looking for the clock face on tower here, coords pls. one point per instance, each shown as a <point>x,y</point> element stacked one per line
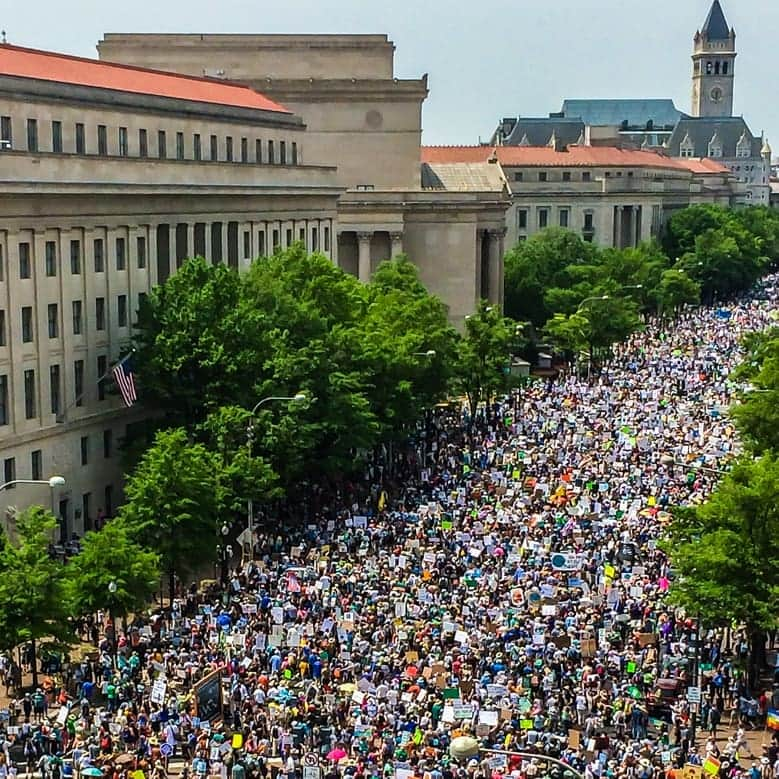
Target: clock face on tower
<point>716,95</point>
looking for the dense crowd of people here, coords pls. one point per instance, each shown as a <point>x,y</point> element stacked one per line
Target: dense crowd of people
<point>499,578</point>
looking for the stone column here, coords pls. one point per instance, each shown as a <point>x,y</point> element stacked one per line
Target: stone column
<point>618,212</point>
<point>364,262</point>
<point>207,235</point>
<point>636,225</point>
<point>190,240</point>
<point>501,270</point>
<point>477,274</point>
<point>397,244</point>
<point>495,266</point>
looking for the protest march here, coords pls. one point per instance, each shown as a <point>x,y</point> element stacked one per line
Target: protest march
<point>497,581</point>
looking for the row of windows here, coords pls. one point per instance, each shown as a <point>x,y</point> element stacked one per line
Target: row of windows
<point>219,148</point>
<point>543,175</point>
<point>543,218</point>
<point>52,261</point>
<point>77,319</point>
<point>56,407</point>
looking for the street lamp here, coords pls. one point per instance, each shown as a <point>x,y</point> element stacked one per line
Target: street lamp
<point>428,353</point>
<point>298,397</point>
<point>466,747</point>
<point>53,482</point>
<point>112,588</point>
<point>595,297</point>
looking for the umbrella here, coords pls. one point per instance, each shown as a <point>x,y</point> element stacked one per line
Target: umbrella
<point>91,771</point>
<point>336,754</point>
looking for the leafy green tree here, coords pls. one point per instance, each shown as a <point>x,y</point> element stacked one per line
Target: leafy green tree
<point>726,552</point>
<point>484,355</point>
<point>32,589</point>
<point>569,333</point>
<point>687,224</point>
<point>111,555</point>
<point>676,289</point>
<point>174,502</point>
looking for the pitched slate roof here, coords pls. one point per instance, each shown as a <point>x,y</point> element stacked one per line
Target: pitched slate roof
<point>539,131</point>
<point>715,28</point>
<point>478,176</point>
<point>701,130</point>
<point>65,69</point>
<point>599,113</point>
<point>574,156</point>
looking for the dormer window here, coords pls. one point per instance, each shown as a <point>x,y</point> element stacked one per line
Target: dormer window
<point>715,150</point>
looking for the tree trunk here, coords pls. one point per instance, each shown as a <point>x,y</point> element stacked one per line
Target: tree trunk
<point>171,585</point>
<point>34,664</point>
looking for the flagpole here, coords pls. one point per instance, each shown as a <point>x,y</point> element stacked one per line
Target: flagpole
<point>62,417</point>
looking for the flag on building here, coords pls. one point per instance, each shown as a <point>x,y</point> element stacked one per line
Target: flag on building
<point>125,380</point>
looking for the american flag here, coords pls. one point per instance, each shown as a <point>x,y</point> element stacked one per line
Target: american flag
<point>125,380</point>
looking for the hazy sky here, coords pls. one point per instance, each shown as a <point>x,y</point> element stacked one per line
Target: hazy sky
<point>485,60</point>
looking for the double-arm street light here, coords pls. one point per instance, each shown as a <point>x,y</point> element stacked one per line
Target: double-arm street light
<point>668,460</point>
<point>298,397</point>
<point>53,482</point>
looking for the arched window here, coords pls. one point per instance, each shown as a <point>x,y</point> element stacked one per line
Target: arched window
<point>724,68</point>
<point>709,68</point>
<point>716,68</point>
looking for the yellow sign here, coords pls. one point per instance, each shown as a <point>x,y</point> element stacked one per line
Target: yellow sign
<point>237,742</point>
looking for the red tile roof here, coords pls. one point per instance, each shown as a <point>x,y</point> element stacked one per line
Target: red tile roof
<point>66,69</point>
<point>573,156</point>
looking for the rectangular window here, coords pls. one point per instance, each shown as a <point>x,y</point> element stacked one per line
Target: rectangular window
<point>84,450</point>
<point>229,148</point>
<point>56,137</point>
<point>522,218</point>
<point>54,388</point>
<point>314,239</point>
<point>283,152</point>
<point>121,310</point>
<point>214,148</point>
<point>121,254</point>
<point>261,243</point>
<point>75,257</point>
<point>275,240</point>
<point>2,264</point>
<point>77,323</point>
<point>108,499</point>
<point>519,175</point>
<point>162,145</point>
<point>197,152</point>
<point>53,320</point>
<point>542,175</point>
<point>32,135</point>
<point>97,245</point>
<point>81,144</point>
<point>51,258</point>
<point>102,369</point>
<point>588,222</point>
<point>99,313</point>
<point>27,329</point>
<point>289,238</point>
<point>124,147</point>
<point>3,400</point>
<point>29,394</point>
<point>258,151</point>
<point>244,149</point>
<point>9,471</point>
<point>25,267</point>
<point>247,244</point>
<point>566,175</point>
<point>179,146</point>
<point>108,443</point>
<point>143,143</point>
<point>271,156</point>
<point>6,133</point>
<point>36,464</point>
<point>102,140</point>
<point>543,218</point>
<point>78,382</point>
<point>140,247</point>
<point>294,153</point>
<point>564,217</point>
<point>586,175</point>
<point>327,239</point>
<point>2,327</point>
<point>86,510</point>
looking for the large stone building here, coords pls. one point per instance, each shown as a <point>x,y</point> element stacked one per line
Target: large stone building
<point>110,177</point>
<point>368,123</point>
<point>611,196</point>
<point>709,130</point>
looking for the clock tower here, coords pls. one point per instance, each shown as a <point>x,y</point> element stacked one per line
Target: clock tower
<point>713,64</point>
